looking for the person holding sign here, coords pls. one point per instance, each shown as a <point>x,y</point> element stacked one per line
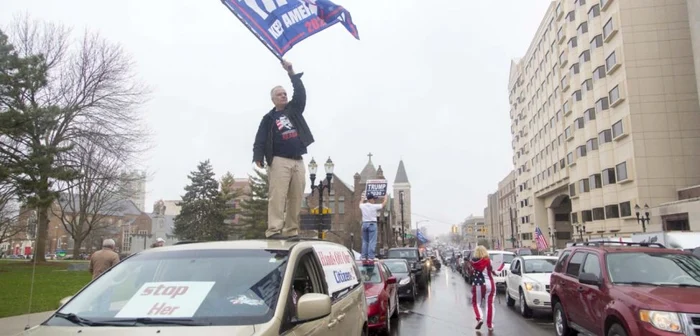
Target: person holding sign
<point>369,210</point>
<point>483,286</point>
<point>281,140</point>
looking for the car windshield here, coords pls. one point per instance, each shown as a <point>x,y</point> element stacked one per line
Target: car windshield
<point>507,258</point>
<point>207,287</point>
<point>653,268</point>
<point>370,273</point>
<point>397,266</point>
<point>403,254</point>
<point>539,265</point>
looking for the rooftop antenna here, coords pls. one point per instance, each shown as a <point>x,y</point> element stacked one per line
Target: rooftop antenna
<point>31,284</point>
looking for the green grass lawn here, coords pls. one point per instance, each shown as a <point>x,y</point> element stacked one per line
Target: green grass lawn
<point>52,282</point>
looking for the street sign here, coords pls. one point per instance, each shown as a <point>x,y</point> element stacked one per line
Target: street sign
<point>310,222</point>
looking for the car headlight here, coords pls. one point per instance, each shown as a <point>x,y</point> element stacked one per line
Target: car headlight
<point>661,320</point>
<point>532,286</point>
<point>404,281</point>
<point>428,263</point>
<point>372,300</point>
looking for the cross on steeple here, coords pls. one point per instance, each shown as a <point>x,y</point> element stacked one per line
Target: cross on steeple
<point>370,156</point>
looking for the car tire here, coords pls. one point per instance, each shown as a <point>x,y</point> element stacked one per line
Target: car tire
<point>414,292</point>
<point>617,330</point>
<point>525,311</point>
<point>510,302</point>
<point>396,309</point>
<point>561,325</point>
<point>387,323</point>
<point>365,331</point>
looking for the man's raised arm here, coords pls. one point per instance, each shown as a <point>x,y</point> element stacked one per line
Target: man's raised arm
<point>298,101</point>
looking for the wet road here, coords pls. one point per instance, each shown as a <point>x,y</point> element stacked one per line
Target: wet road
<point>444,309</point>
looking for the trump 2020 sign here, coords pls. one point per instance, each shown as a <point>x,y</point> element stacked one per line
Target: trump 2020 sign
<point>281,24</point>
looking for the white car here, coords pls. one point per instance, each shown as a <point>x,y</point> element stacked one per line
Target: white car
<point>498,257</point>
<point>528,283</point>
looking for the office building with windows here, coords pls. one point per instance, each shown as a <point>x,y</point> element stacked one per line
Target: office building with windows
<point>604,116</point>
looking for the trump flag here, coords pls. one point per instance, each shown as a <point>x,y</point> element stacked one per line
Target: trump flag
<point>281,24</point>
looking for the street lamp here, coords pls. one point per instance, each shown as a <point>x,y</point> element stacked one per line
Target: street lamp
<point>403,233</point>
<point>313,167</point>
<point>551,237</point>
<point>581,228</point>
<point>643,220</point>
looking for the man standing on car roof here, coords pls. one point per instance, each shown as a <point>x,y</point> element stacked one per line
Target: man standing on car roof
<point>281,140</point>
<point>369,225</point>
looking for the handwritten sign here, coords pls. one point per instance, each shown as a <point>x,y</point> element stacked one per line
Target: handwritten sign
<point>166,300</point>
<point>497,262</point>
<point>338,266</point>
<point>376,188</point>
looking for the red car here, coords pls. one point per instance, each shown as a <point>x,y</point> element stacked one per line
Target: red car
<point>382,295</point>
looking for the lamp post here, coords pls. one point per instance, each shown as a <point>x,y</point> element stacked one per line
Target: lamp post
<point>581,228</point>
<point>403,233</point>
<point>313,167</point>
<point>551,237</point>
<point>352,241</point>
<point>644,220</point>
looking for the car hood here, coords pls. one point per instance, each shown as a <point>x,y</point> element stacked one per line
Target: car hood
<point>400,276</point>
<point>678,299</point>
<point>372,289</point>
<point>542,278</point>
<point>139,331</point>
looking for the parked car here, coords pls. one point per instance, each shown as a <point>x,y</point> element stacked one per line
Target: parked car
<point>252,287</point>
<point>405,277</point>
<point>622,288</point>
<point>382,295</point>
<point>419,264</point>
<point>528,283</point>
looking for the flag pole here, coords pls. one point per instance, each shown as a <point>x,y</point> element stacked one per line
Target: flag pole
<point>252,31</point>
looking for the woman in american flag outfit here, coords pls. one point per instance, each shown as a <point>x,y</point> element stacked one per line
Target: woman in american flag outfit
<point>483,286</point>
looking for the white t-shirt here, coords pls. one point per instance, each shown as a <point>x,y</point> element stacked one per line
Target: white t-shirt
<point>369,211</point>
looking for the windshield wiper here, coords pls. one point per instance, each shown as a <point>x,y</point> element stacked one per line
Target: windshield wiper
<point>679,285</point>
<point>636,283</point>
<point>151,321</point>
<point>74,318</point>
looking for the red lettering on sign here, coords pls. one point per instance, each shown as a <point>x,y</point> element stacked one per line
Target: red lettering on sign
<point>162,309</point>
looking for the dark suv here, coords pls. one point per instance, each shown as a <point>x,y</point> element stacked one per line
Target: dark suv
<point>420,266</point>
<point>614,288</point>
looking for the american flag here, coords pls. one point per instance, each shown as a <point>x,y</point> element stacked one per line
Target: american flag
<point>498,245</point>
<point>541,240</point>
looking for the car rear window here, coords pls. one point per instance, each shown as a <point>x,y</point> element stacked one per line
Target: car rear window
<point>214,287</point>
<point>370,273</point>
<point>403,254</point>
<point>505,257</point>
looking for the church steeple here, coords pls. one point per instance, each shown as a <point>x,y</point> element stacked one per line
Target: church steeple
<point>369,172</point>
<point>401,176</point>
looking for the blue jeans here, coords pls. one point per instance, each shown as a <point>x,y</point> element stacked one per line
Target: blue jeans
<point>369,239</point>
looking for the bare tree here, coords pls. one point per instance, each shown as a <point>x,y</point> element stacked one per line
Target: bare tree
<point>84,90</point>
<point>97,194</point>
<point>10,224</point>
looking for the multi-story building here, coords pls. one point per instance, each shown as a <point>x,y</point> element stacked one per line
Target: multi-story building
<point>604,116</point>
<point>134,188</point>
<point>491,213</point>
<point>507,211</point>
<point>474,230</point>
<point>694,24</point>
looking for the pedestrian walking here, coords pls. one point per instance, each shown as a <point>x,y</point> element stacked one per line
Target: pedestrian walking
<point>104,259</point>
<point>281,140</point>
<point>369,210</point>
<point>483,286</point>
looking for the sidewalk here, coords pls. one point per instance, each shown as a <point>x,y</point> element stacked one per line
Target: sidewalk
<point>15,324</point>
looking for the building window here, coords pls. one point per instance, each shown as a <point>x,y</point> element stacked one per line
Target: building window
<point>612,211</point>
<point>602,104</point>
<point>597,42</point>
<point>625,209</point>
<point>567,132</point>
<point>573,42</point>
<point>608,176</point>
<point>560,33</point>
<point>594,12</point>
<point>571,16</point>
<point>598,214</point>
<point>592,144</point>
<point>587,85</point>
<point>614,94</point>
<point>587,215</point>
<point>621,170</point>
<point>611,61</point>
<point>570,158</point>
<point>574,69</point>
<point>595,182</point>
<point>589,114</point>
<point>562,57</point>
<point>604,137</point>
<point>578,122</point>
<point>583,186</point>
<point>581,151</point>
<point>562,164</point>
<point>574,218</point>
<point>617,129</point>
<point>584,57</point>
<point>599,73</point>
<point>565,107</point>
<point>582,28</point>
<point>577,95</point>
<point>341,205</point>
<point>572,190</point>
<point>608,28</point>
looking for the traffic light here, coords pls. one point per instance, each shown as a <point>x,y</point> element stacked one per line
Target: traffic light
<point>454,229</point>
<point>323,235</point>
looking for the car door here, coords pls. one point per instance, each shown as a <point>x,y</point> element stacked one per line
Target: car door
<point>393,298</point>
<point>592,299</point>
<point>569,286</point>
<point>350,308</point>
<point>514,278</point>
<point>307,278</point>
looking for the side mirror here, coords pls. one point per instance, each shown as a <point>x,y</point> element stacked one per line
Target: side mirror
<point>414,271</point>
<point>589,279</point>
<point>313,306</point>
<point>391,280</point>
<point>517,272</point>
<point>64,301</point>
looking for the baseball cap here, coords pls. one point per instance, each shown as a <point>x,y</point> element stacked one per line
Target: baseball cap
<point>370,196</point>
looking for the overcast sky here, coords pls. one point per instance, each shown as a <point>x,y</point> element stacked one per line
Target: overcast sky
<point>426,82</point>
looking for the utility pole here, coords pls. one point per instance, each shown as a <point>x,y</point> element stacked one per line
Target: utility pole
<point>403,233</point>
<point>512,227</point>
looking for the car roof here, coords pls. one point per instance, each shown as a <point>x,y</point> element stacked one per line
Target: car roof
<point>499,251</point>
<point>527,257</point>
<point>259,244</point>
<point>396,260</point>
<point>615,247</point>
<point>402,248</point>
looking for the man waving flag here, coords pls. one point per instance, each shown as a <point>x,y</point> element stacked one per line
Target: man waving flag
<point>281,24</point>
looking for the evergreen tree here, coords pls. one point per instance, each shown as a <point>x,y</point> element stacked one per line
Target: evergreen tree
<point>203,209</point>
<point>229,193</point>
<point>254,209</point>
